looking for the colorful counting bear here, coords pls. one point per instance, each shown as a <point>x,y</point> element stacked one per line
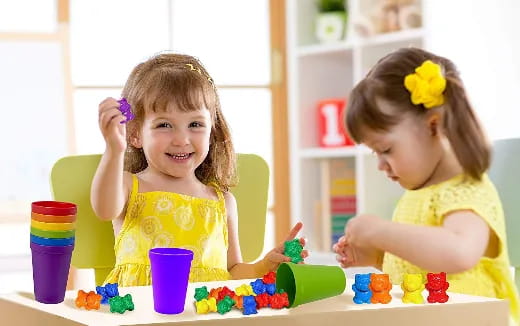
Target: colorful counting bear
<point>437,286</point>
<point>258,286</point>
<point>361,288</point>
<point>225,305</point>
<point>380,286</point>
<point>206,305</point>
<point>108,291</point>
<point>121,304</point>
<point>126,110</point>
<point>412,288</point>
<point>249,305</point>
<point>201,293</point>
<point>89,300</point>
<point>244,289</point>
<point>293,249</point>
<point>279,300</point>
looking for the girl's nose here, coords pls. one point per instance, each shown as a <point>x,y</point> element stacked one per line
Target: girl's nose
<point>382,164</point>
<point>180,138</point>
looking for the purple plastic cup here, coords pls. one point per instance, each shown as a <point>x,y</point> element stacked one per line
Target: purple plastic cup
<point>50,271</point>
<point>170,274</point>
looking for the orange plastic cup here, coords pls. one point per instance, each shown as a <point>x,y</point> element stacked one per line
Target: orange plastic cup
<point>53,218</point>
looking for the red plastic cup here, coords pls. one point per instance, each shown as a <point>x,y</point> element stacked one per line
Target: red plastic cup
<point>50,272</point>
<point>170,273</point>
<point>56,208</point>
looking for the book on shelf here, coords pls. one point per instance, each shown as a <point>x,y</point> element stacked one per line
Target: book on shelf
<point>338,200</point>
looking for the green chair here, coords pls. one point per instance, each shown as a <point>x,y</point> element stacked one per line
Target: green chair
<point>505,173</point>
<point>71,178</point>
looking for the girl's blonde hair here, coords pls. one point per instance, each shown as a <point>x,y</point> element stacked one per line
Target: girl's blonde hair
<point>385,81</point>
<point>180,80</point>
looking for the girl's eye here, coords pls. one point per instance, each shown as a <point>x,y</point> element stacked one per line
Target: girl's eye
<point>195,125</point>
<point>164,125</point>
<point>386,151</point>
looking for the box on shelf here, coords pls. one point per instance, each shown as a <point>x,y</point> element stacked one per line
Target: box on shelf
<point>331,131</point>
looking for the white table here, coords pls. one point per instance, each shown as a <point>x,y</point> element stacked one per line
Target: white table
<point>22,309</point>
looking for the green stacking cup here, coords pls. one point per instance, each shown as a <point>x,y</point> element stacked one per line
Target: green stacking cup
<point>52,234</point>
<point>306,283</point>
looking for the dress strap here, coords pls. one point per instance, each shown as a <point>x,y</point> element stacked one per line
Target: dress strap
<point>135,186</point>
<point>220,195</point>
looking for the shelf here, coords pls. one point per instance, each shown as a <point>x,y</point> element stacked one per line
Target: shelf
<point>349,45</point>
<point>320,152</point>
<point>394,37</point>
<point>326,48</point>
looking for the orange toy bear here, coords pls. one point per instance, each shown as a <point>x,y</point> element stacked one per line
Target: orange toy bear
<point>89,300</point>
<point>380,286</point>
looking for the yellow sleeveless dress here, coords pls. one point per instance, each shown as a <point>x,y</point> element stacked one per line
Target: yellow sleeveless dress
<point>165,219</point>
<point>491,277</point>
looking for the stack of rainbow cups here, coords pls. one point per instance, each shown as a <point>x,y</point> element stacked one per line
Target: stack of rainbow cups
<point>52,243</point>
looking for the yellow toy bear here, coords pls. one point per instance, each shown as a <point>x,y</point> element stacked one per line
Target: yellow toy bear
<point>412,286</point>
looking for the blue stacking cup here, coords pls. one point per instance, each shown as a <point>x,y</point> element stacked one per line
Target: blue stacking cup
<point>52,241</point>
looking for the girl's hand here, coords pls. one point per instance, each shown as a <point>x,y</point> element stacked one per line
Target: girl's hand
<point>275,257</point>
<point>349,256</point>
<point>361,230</point>
<point>110,118</point>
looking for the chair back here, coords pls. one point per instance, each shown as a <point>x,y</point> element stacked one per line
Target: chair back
<point>71,179</point>
<point>505,174</point>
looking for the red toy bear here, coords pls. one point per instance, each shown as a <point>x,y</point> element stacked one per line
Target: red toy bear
<point>437,287</point>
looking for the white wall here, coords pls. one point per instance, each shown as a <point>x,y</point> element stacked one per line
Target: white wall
<point>482,38</point>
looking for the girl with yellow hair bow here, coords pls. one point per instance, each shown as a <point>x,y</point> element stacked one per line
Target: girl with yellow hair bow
<point>412,110</point>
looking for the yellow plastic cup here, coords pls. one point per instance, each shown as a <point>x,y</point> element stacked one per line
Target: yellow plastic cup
<point>52,226</point>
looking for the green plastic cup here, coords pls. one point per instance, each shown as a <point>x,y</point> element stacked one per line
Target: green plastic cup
<point>52,234</point>
<point>306,283</point>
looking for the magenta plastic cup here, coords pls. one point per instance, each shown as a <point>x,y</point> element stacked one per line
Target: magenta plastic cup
<point>170,274</point>
<point>50,271</point>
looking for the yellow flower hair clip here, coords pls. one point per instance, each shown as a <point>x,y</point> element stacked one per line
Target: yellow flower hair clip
<point>192,68</point>
<point>426,85</point>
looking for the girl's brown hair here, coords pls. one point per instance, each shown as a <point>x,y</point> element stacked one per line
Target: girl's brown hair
<point>180,80</point>
<point>385,82</point>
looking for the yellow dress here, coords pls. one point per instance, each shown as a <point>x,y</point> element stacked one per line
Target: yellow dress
<point>491,277</point>
<point>165,219</point>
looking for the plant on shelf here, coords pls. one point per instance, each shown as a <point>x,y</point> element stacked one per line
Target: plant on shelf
<point>331,20</point>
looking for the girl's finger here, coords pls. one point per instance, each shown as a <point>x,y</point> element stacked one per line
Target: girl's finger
<point>303,241</point>
<point>294,231</point>
<point>276,257</point>
<point>305,254</point>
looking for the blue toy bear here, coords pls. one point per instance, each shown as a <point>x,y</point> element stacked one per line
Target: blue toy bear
<point>361,289</point>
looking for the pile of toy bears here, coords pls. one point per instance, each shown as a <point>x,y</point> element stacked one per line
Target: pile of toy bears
<point>375,288</point>
<point>108,294</point>
<point>247,297</point>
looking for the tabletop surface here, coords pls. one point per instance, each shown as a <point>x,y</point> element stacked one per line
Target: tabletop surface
<point>144,313</point>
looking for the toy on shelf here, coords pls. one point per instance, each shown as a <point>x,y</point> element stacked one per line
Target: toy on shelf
<point>437,286</point>
<point>380,286</point>
<point>412,287</point>
<point>331,131</point>
<point>361,288</point>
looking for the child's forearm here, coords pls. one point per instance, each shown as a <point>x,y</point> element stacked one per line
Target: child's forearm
<point>434,249</point>
<point>245,270</point>
<point>107,194</point>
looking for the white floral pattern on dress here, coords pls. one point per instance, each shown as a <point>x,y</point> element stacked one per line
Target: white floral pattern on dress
<point>162,240</point>
<point>163,206</point>
<point>183,217</point>
<point>150,226</point>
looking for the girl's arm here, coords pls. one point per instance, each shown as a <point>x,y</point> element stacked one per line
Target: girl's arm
<point>454,247</point>
<point>236,267</point>
<point>110,186</point>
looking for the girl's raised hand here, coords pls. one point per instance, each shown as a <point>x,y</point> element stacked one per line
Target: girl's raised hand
<point>275,257</point>
<point>110,118</point>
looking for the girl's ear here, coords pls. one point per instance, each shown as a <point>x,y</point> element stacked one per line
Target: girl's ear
<point>135,140</point>
<point>434,122</point>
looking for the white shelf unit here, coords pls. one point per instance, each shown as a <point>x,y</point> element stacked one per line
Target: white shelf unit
<point>319,71</point>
